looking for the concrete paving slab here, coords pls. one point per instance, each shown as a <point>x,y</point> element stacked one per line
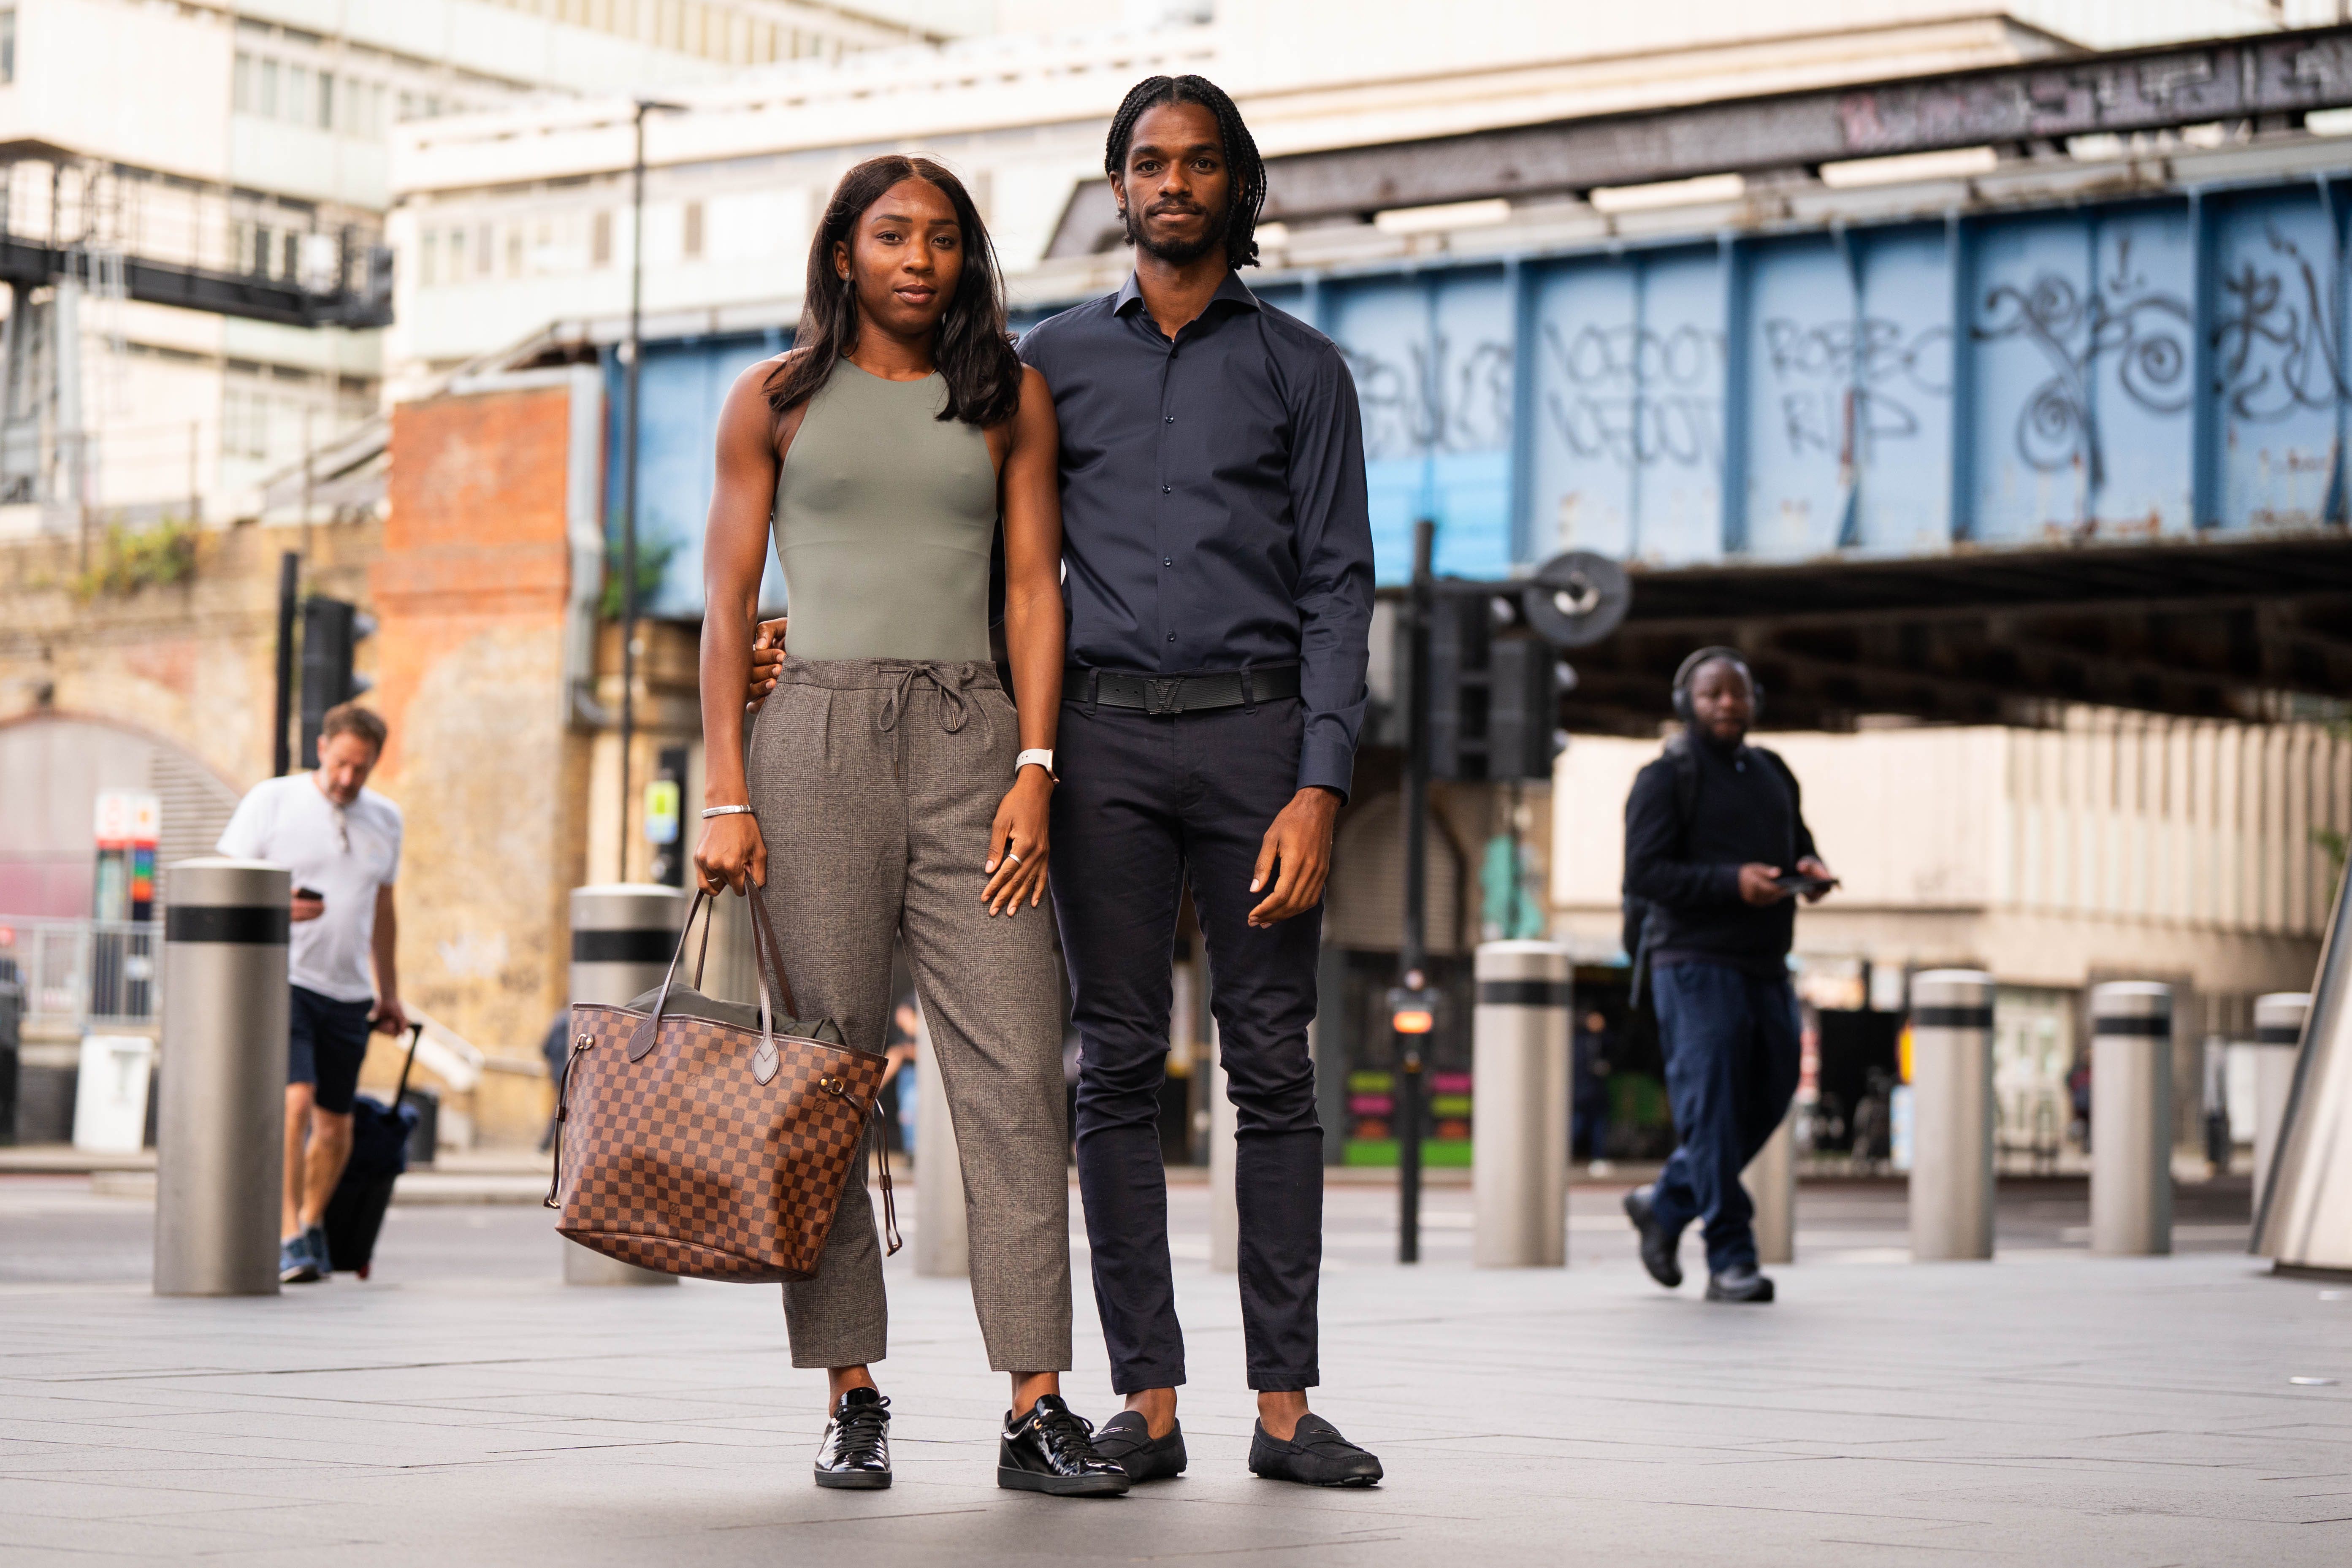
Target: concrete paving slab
<point>2048,1407</point>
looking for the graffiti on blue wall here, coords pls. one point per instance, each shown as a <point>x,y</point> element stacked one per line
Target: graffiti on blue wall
<point>2162,367</point>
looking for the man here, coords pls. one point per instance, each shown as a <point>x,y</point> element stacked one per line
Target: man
<point>1220,582</point>
<point>1716,848</point>
<point>341,841</point>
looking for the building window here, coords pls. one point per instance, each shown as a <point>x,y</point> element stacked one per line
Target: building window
<point>7,44</point>
<point>428,258</point>
<point>326,102</point>
<point>297,94</point>
<point>269,88</point>
<point>244,424</point>
<point>514,253</point>
<point>600,240</point>
<point>692,245</point>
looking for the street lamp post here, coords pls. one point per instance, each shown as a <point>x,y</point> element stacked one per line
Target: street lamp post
<point>645,106</point>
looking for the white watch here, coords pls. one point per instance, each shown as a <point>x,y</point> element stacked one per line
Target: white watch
<point>1037,754</point>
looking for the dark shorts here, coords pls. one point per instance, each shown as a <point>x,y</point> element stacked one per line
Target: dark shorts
<point>328,1041</point>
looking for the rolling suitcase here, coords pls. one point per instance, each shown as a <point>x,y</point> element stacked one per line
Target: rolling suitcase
<point>380,1137</point>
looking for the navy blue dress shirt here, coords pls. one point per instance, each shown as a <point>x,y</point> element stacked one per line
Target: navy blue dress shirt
<point>1213,502</point>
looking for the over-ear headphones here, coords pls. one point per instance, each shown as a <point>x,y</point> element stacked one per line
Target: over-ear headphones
<point>1700,660</point>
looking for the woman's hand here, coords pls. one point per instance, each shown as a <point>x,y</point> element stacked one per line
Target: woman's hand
<point>729,852</point>
<point>1016,845</point>
<point>767,659</point>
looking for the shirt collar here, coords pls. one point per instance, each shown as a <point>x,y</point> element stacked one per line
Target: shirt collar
<point>1130,294</point>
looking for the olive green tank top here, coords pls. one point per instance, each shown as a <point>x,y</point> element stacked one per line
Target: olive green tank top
<point>883,519</point>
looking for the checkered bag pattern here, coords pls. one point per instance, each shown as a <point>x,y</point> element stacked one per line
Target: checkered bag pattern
<point>684,1162</point>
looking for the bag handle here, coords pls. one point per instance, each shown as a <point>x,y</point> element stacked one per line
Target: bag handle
<point>415,1033</point>
<point>766,1062</point>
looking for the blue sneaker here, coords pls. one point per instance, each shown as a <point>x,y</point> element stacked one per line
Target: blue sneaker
<point>321,1255</point>
<point>294,1264</point>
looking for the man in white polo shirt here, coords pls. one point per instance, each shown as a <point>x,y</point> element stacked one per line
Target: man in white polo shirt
<point>341,841</point>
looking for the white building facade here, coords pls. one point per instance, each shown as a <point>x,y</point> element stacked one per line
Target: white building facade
<point>253,139</point>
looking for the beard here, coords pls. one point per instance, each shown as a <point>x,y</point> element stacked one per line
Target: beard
<point>1179,253</point>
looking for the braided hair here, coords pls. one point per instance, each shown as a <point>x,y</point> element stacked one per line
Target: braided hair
<point>1246,168</point>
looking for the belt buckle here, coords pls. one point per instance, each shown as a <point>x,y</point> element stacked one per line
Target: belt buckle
<point>1163,695</point>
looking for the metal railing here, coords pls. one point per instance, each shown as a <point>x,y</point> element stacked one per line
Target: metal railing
<point>79,973</point>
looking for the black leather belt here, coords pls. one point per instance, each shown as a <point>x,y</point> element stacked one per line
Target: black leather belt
<point>1162,694</point>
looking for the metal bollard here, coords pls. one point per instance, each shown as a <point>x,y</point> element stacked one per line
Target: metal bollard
<point>1952,1115</point>
<point>942,1230</point>
<point>622,936</point>
<point>220,1130</point>
<point>2131,1118</point>
<point>1771,1181</point>
<point>2278,1035</point>
<point>1519,1066</point>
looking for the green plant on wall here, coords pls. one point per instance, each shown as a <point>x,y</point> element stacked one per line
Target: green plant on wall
<point>127,560</point>
<point>654,556</point>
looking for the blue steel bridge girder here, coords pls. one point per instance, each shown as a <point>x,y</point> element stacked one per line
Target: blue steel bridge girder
<point>2137,390</point>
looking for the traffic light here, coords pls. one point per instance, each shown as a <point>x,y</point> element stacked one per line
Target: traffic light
<point>332,632</point>
<point>1494,688</point>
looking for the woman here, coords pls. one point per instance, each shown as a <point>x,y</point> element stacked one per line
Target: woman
<point>885,799</point>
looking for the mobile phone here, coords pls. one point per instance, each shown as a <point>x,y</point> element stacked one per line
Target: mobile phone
<point>310,893</point>
<point>1797,882</point>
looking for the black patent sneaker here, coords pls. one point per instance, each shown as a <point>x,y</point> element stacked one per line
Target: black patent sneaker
<point>856,1453</point>
<point>1316,1455</point>
<point>1126,1440</point>
<point>1740,1282</point>
<point>1658,1247</point>
<point>1051,1451</point>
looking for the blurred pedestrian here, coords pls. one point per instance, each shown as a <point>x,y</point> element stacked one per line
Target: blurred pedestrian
<point>898,1078</point>
<point>1589,1093</point>
<point>341,842</point>
<point>1716,848</point>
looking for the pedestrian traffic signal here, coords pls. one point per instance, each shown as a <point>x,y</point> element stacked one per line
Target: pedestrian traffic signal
<point>332,630</point>
<point>1493,688</point>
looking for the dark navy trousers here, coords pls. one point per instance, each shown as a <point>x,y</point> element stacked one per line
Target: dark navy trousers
<point>1731,1048</point>
<point>1147,806</point>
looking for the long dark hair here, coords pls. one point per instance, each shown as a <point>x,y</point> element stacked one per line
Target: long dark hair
<point>1243,165</point>
<point>973,351</point>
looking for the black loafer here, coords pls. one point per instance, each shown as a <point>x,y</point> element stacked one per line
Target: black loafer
<point>1316,1455</point>
<point>1126,1440</point>
<point>1658,1248</point>
<point>1740,1283</point>
<point>856,1453</point>
<point>1051,1451</point>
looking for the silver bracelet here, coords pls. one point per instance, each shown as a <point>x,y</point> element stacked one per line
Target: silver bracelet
<point>726,811</point>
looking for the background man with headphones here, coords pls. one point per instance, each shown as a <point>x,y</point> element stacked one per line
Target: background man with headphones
<point>1716,852</point>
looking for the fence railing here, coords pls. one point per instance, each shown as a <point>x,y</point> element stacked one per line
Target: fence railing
<point>84,972</point>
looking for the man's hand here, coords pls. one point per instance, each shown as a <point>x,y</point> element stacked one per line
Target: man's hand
<point>391,1017</point>
<point>1296,856</point>
<point>767,659</point>
<point>307,908</point>
<point>1757,885</point>
<point>1812,867</point>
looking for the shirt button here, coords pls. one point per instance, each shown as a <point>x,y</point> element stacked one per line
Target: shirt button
<point>1172,419</point>
<point>1167,561</point>
<point>1167,489</point>
<point>1172,637</point>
